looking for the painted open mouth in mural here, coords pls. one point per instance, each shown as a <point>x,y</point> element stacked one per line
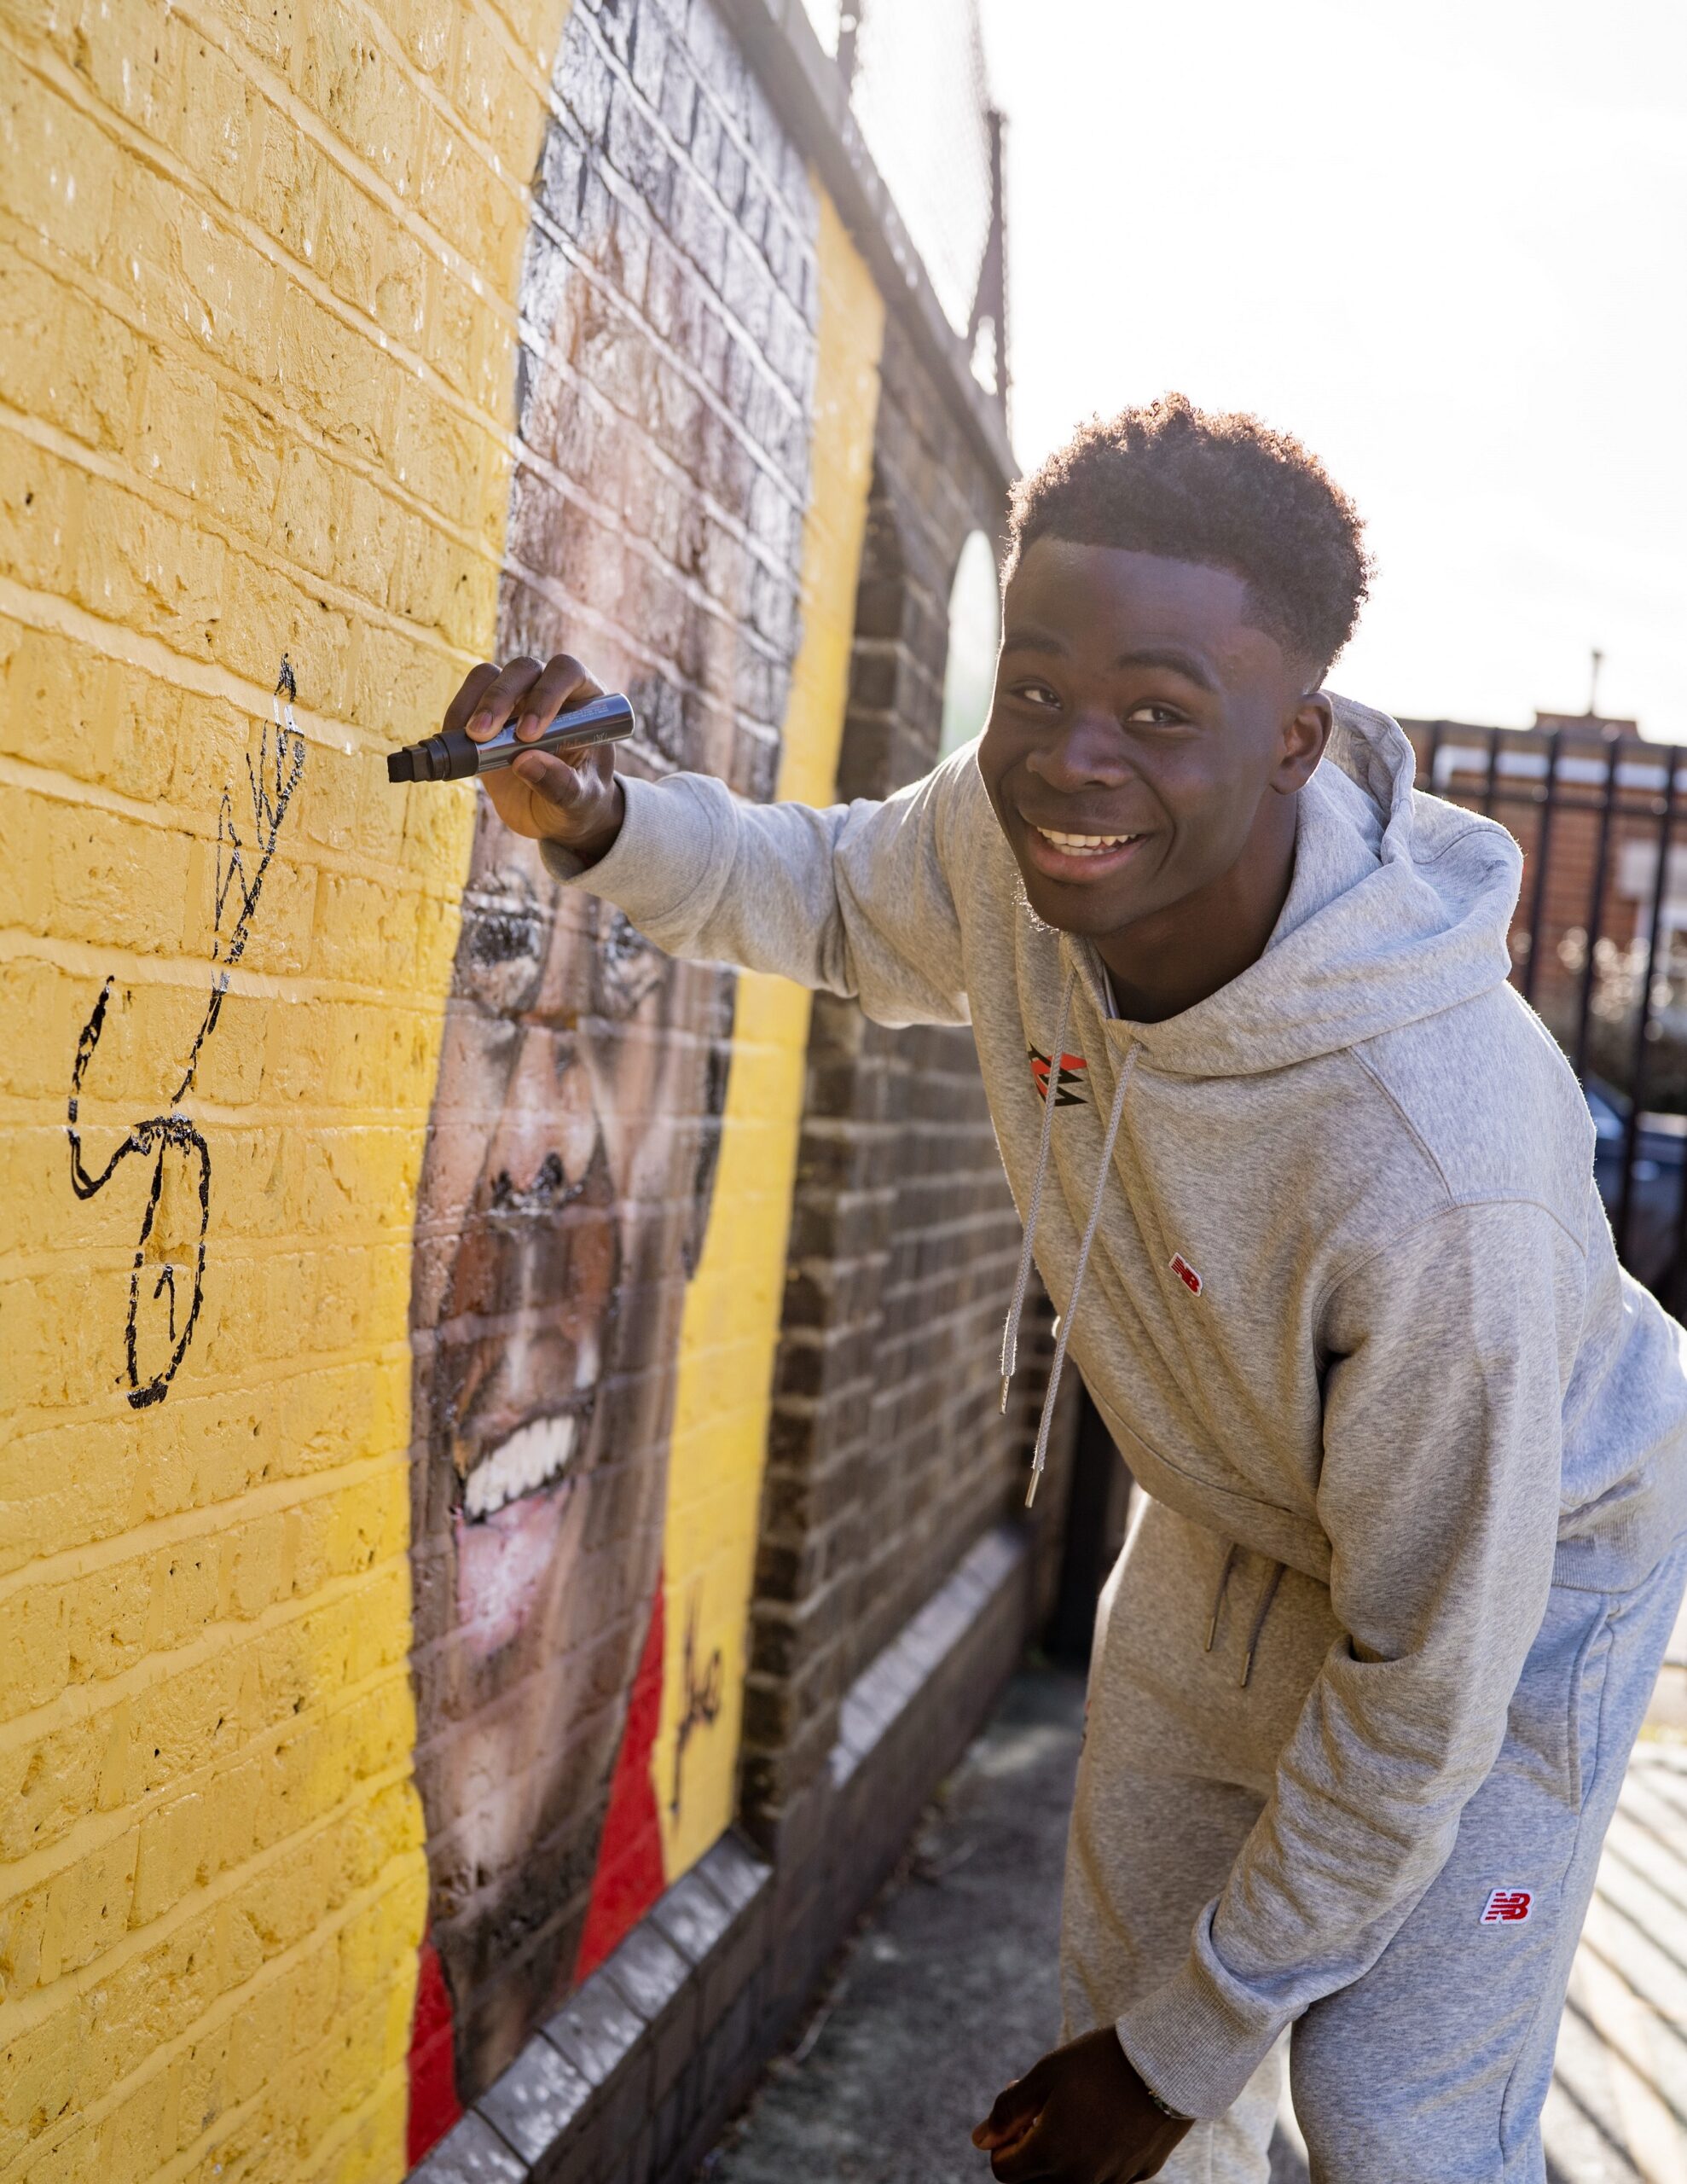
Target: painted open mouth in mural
<point>533,1455</point>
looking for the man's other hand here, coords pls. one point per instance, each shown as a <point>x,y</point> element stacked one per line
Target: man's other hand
<point>575,801</point>
<point>1081,2115</point>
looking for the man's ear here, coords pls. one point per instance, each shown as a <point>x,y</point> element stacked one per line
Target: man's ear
<point>1305,734</point>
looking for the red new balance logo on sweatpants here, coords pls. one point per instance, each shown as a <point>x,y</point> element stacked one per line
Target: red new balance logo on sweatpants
<point>1507,1907</point>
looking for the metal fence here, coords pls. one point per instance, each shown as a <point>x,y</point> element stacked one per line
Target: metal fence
<point>1599,942</point>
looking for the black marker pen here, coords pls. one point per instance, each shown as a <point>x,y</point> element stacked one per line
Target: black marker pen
<point>455,757</point>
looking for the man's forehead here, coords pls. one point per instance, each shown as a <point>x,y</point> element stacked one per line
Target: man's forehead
<point>1111,607</point>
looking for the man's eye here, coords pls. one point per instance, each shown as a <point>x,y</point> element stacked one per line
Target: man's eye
<point>1153,716</point>
<point>1036,693</point>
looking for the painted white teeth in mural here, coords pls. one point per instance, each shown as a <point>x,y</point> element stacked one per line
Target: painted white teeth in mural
<point>537,1452</point>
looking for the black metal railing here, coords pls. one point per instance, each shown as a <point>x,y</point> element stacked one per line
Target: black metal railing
<point>1576,795</point>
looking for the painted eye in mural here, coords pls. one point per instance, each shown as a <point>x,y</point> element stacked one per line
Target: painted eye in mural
<point>504,936</point>
<point>628,968</point>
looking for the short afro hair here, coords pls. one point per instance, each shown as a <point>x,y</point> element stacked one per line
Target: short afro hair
<point>1214,487</point>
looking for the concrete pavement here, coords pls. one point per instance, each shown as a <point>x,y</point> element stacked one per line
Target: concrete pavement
<point>950,1988</point>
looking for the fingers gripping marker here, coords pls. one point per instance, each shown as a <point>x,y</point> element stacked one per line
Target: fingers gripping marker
<point>455,756</point>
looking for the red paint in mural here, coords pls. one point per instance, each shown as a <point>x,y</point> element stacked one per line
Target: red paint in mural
<point>434,2105</point>
<point>629,1876</point>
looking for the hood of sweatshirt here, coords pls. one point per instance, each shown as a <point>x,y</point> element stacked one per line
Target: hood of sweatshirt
<point>1400,906</point>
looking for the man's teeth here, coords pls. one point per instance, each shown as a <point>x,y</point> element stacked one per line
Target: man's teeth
<point>1083,845</point>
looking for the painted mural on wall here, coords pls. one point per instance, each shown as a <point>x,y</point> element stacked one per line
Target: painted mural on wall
<point>378,1531</point>
<point>657,528</point>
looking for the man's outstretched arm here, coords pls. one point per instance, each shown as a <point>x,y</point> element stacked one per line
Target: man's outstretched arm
<point>854,899</point>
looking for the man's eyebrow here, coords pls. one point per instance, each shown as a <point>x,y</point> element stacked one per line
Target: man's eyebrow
<point>1034,640</point>
<point>1188,664</point>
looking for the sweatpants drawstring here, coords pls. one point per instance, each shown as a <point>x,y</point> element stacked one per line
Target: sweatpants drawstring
<point>1217,1597</point>
<point>1264,1609</point>
<point>1267,1595</point>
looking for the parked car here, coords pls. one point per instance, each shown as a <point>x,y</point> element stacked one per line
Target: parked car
<point>1654,1198</point>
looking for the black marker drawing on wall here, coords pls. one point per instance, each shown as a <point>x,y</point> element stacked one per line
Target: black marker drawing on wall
<point>241,865</point>
<point>702,1698</point>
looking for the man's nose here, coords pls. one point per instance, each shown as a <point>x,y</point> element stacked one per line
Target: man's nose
<point>1089,752</point>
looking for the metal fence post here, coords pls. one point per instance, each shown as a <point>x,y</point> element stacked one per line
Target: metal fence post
<point>1597,908</point>
<point>1638,1074</point>
<point>1542,846</point>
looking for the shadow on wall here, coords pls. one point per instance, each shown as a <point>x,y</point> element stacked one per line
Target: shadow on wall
<point>655,527</point>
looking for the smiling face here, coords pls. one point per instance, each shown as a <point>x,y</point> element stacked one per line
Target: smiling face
<point>1143,755</point>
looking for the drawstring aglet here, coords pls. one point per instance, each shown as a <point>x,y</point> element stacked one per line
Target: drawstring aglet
<point>1218,1596</point>
<point>1006,1385</point>
<point>1268,1593</point>
<point>1031,1491</point>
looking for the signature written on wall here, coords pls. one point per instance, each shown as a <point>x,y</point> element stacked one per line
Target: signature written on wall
<point>702,1698</point>
<point>166,1286</point>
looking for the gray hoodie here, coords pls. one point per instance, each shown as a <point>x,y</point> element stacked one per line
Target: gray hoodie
<point>1349,1300</point>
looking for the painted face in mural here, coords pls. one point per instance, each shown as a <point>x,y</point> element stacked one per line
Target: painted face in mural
<point>563,1198</point>
<point>562,1203</point>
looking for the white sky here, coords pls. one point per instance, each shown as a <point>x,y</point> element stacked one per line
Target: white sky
<point>1445,241</point>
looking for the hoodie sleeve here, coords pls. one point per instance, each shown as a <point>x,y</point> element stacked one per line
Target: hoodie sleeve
<point>853,900</point>
<point>1450,1355</point>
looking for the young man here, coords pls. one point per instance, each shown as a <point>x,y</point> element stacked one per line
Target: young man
<point>1322,1230</point>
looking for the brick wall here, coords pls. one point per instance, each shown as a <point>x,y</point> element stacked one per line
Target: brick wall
<point>258,273</point>
<point>602,1206</point>
<point>887,1457</point>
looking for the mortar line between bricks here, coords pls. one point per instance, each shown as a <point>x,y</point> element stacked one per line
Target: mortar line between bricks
<point>559,596</point>
<point>96,1831</point>
<point>54,785</point>
<point>138,649</point>
<point>290,107</point>
<point>623,190</point>
<point>324,2157</point>
<point>737,527</point>
<point>393,2084</point>
<point>264,1379</point>
<point>94,960</point>
<point>154,1534</point>
<point>619,71</point>
<point>534,65</point>
<point>115,302</point>
<point>192,514</point>
<point>379,31</point>
<point>82,1702</point>
<point>232,1248</point>
<point>148,153</point>
<point>226,2006</point>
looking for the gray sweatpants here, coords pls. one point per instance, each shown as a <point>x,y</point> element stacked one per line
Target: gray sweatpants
<point>1433,2068</point>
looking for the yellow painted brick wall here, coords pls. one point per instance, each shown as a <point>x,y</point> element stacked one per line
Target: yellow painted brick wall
<point>256,339</point>
<point>730,1330</point>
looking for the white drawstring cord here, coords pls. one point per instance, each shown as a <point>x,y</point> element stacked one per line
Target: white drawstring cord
<point>1217,1597</point>
<point>1267,1595</point>
<point>1009,1333</point>
<point>1045,1423</point>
